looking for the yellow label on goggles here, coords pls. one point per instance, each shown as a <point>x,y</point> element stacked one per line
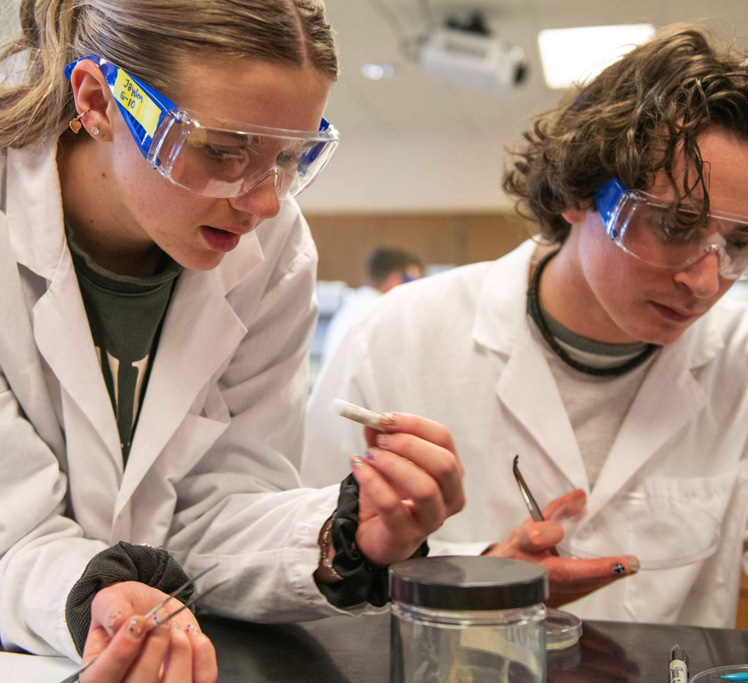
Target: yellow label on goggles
<point>132,97</point>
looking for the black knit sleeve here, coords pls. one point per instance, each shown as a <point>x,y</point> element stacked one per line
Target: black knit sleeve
<point>122,562</point>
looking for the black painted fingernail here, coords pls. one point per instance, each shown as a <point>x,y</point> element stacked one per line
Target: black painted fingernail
<point>619,569</point>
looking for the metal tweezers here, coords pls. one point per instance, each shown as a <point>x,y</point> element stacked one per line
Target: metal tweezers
<point>535,512</point>
<point>75,676</point>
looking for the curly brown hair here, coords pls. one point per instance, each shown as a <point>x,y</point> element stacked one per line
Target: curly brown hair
<point>641,115</point>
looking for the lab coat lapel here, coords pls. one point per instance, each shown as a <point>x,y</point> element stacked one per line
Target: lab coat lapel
<point>526,387</point>
<point>528,390</point>
<point>64,340</point>
<point>200,333</point>
<point>37,237</point>
<point>669,398</point>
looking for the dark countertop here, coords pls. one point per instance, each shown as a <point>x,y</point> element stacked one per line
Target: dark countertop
<point>356,650</point>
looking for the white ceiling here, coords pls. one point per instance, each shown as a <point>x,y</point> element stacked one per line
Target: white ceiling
<point>410,143</point>
<point>411,102</point>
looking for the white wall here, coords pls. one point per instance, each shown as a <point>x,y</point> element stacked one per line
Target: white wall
<point>411,173</point>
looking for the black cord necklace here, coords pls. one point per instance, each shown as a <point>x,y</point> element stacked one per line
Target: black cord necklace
<point>533,300</point>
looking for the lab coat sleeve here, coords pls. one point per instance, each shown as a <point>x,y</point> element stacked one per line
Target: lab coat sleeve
<point>329,440</point>
<point>242,505</point>
<point>42,552</point>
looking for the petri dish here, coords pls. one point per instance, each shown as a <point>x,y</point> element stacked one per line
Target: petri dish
<point>562,630</point>
<point>712,674</point>
<point>662,532</point>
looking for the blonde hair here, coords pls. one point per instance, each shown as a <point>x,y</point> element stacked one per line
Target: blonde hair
<point>147,38</point>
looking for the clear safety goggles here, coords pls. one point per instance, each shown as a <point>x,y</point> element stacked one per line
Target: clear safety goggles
<point>638,223</point>
<point>220,160</point>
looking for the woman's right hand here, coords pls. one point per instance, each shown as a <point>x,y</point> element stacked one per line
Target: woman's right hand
<point>570,579</point>
<point>127,650</point>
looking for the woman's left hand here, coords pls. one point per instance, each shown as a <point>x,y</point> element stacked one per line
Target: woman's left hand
<point>410,481</point>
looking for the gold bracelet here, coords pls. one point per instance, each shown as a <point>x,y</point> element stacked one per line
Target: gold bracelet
<point>324,547</point>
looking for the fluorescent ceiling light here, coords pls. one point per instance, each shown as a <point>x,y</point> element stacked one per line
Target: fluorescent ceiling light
<point>376,72</point>
<point>576,55</point>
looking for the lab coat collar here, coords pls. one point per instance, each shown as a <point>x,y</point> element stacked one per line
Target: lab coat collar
<point>502,306</point>
<point>501,325</point>
<point>34,209</point>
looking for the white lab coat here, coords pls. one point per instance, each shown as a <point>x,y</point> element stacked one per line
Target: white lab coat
<point>457,348</point>
<point>211,473</point>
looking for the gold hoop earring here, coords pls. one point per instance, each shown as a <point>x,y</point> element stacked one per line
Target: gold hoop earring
<point>75,124</point>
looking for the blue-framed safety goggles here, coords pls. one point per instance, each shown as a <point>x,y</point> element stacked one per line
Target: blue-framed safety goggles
<point>636,221</point>
<point>221,160</point>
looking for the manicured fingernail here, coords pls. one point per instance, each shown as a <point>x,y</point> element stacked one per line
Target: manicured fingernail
<point>357,461</point>
<point>369,455</point>
<point>112,620</point>
<point>633,563</point>
<point>619,568</point>
<point>174,626</point>
<point>383,440</point>
<point>187,628</point>
<point>135,627</point>
<point>389,420</point>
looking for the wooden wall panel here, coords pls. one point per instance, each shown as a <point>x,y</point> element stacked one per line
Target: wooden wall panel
<point>742,618</point>
<point>345,240</point>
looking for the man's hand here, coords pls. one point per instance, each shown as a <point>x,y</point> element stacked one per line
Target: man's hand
<point>570,579</point>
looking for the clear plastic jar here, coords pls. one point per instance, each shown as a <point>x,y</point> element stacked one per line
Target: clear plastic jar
<point>468,620</point>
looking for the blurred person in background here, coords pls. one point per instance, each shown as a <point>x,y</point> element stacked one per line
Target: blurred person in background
<point>385,269</point>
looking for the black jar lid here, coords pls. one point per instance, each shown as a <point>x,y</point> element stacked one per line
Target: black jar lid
<point>468,583</point>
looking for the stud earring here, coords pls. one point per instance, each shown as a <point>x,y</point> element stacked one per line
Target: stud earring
<point>75,124</point>
<point>95,130</point>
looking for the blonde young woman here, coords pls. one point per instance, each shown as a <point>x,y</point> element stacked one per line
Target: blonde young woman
<point>156,293</point>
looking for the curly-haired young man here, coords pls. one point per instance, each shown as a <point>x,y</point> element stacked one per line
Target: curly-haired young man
<point>600,354</point>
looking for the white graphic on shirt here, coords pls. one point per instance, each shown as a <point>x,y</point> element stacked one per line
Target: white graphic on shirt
<point>114,372</point>
<point>141,366</point>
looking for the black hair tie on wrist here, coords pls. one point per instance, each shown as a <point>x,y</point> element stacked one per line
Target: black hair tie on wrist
<point>362,582</point>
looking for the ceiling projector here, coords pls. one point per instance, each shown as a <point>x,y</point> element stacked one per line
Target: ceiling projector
<point>474,60</point>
